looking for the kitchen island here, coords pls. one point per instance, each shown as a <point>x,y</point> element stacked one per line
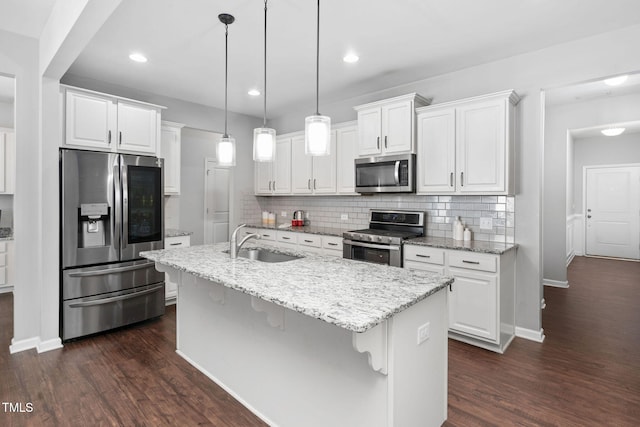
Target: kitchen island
<point>314,341</point>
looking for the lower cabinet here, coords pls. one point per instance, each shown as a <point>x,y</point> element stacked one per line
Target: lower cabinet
<point>294,240</point>
<point>482,297</point>
<point>6,262</point>
<point>171,288</point>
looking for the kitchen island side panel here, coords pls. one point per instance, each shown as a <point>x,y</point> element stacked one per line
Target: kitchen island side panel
<point>308,372</point>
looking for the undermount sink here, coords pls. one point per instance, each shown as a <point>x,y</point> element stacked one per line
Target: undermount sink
<point>265,255</point>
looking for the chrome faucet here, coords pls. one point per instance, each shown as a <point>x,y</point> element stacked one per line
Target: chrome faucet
<point>234,247</point>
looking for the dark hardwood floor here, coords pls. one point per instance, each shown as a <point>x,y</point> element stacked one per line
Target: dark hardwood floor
<point>586,373</point>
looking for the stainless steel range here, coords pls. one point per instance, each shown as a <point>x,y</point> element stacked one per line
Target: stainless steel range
<point>381,243</point>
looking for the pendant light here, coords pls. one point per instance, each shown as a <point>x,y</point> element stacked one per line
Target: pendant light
<point>264,138</point>
<point>226,147</point>
<point>317,128</point>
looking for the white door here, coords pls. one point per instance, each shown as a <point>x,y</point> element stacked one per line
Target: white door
<point>613,211</point>
<point>301,164</point>
<point>324,170</point>
<point>217,181</point>
<point>397,127</point>
<point>369,132</point>
<point>137,127</point>
<point>437,151</point>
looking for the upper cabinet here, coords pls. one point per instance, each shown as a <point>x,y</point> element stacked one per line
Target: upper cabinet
<point>467,146</point>
<point>346,152</point>
<point>275,177</point>
<point>104,122</point>
<point>170,141</point>
<point>7,161</point>
<point>388,126</point>
<point>312,174</point>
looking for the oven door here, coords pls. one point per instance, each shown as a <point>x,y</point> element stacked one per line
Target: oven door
<point>371,252</point>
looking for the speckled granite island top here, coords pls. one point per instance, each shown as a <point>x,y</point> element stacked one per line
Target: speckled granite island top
<point>472,246</point>
<point>351,294</point>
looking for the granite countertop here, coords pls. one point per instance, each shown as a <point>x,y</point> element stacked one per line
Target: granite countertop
<point>6,233</point>
<point>472,246</point>
<point>311,229</point>
<point>174,232</point>
<point>351,294</point>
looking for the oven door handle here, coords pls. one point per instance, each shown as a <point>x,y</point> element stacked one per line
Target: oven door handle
<point>396,172</point>
<point>371,245</point>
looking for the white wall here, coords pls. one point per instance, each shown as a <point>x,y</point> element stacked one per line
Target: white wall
<point>528,74</point>
<point>558,199</point>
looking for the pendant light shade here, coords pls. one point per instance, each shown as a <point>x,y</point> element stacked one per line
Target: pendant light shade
<point>264,138</point>
<point>317,128</point>
<point>226,147</point>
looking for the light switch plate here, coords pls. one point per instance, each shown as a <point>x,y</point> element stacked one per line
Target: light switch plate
<point>344,217</point>
<point>283,214</point>
<point>423,333</point>
<point>486,223</point>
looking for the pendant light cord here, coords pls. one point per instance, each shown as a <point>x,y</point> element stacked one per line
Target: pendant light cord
<point>318,62</point>
<point>226,66</point>
<point>265,66</point>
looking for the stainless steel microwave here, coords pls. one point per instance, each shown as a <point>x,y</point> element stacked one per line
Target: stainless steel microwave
<point>386,174</point>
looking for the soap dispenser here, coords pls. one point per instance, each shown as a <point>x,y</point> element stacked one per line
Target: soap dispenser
<point>458,229</point>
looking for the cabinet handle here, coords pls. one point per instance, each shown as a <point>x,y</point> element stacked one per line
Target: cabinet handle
<point>332,244</point>
<point>109,138</point>
<point>269,185</point>
<point>385,141</point>
<point>175,244</point>
<point>470,262</point>
<point>451,180</point>
<point>286,238</point>
<point>120,138</point>
<point>266,235</point>
<point>450,287</point>
<point>314,183</point>
<point>308,241</point>
<point>274,186</point>
<point>423,256</point>
<point>461,179</point>
<point>309,184</point>
<point>378,143</point>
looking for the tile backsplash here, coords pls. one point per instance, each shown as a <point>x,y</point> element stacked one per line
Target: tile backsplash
<point>326,211</point>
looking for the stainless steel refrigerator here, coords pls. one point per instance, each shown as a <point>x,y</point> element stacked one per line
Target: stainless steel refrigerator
<point>111,209</point>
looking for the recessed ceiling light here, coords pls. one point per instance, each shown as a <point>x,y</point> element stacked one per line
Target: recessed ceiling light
<point>254,92</point>
<point>615,81</point>
<point>612,131</point>
<point>138,57</point>
<point>350,58</point>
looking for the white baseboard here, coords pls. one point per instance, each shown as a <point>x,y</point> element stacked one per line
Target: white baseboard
<point>5,289</point>
<point>49,345</point>
<point>570,258</point>
<point>555,283</point>
<point>22,345</point>
<point>530,334</point>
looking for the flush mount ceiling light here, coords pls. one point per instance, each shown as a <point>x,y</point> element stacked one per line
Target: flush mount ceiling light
<point>351,58</point>
<point>612,131</point>
<point>138,57</point>
<point>317,128</point>
<point>264,138</point>
<point>254,92</point>
<point>616,81</point>
<point>226,147</point>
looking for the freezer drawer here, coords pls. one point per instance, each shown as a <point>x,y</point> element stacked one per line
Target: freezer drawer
<point>88,281</point>
<point>84,316</point>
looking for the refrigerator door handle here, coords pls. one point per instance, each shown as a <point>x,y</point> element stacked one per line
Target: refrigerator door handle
<point>112,270</point>
<point>125,205</point>
<point>117,215</point>
<point>114,299</point>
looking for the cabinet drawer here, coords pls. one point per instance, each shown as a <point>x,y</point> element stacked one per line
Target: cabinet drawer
<point>177,242</point>
<point>423,266</point>
<point>473,261</point>
<point>266,234</point>
<point>332,242</point>
<point>287,237</point>
<point>313,240</point>
<point>424,254</point>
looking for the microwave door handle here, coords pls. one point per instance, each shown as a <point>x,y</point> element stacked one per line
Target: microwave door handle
<point>396,172</point>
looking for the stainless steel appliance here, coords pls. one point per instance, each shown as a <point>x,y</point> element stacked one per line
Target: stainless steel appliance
<point>386,174</point>
<point>111,209</point>
<point>381,243</point>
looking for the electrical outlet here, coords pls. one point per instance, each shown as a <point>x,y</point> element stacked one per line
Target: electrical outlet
<point>423,333</point>
<point>344,217</point>
<point>486,223</point>
<point>283,214</point>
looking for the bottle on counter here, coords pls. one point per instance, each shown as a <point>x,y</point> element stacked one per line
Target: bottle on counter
<point>265,218</point>
<point>272,218</point>
<point>467,235</point>
<point>458,229</point>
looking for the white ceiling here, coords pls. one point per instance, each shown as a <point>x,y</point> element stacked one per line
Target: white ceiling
<point>397,41</point>
<point>590,90</point>
<point>25,17</point>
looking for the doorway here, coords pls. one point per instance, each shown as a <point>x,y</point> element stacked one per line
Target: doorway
<point>217,189</point>
<point>612,206</point>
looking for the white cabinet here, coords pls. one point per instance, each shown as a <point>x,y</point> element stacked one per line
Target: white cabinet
<point>332,245</point>
<point>7,161</point>
<point>482,297</point>
<point>6,263</point>
<point>388,126</point>
<point>275,177</point>
<point>170,141</point>
<point>295,240</point>
<point>467,146</point>
<point>171,288</point>
<point>104,122</point>
<point>346,153</point>
<point>312,174</point>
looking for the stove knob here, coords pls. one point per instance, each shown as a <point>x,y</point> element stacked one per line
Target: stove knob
<point>371,238</point>
<point>379,238</point>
